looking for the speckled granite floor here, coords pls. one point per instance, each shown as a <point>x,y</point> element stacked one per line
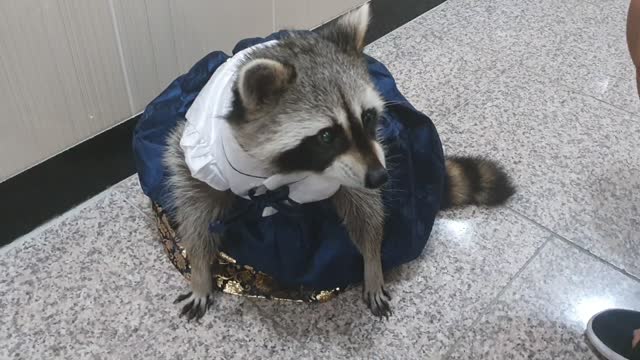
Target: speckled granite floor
<point>544,86</point>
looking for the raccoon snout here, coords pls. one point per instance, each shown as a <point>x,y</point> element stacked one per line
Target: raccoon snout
<point>376,177</point>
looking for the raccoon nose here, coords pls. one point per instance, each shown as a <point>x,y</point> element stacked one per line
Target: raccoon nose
<point>376,177</point>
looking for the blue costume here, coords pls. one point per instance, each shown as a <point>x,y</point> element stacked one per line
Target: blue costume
<point>307,246</point>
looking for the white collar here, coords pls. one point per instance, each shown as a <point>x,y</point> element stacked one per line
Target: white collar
<point>214,156</point>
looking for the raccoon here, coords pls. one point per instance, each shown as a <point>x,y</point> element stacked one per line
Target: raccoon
<point>307,104</point>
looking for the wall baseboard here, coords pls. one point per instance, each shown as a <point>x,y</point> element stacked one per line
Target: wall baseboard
<point>65,180</point>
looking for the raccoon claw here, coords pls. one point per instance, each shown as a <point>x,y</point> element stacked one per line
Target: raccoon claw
<point>196,306</point>
<point>181,298</point>
<point>378,303</point>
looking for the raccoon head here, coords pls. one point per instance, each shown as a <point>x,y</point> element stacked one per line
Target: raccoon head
<point>307,103</point>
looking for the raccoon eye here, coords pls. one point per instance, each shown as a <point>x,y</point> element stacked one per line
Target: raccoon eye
<point>369,117</point>
<point>326,136</point>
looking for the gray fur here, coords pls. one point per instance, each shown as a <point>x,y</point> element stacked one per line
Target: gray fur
<point>196,204</point>
<point>289,94</point>
<point>315,81</point>
<point>363,215</point>
<point>323,74</point>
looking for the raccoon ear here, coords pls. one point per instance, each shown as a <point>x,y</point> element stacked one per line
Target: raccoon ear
<point>262,82</point>
<point>349,31</point>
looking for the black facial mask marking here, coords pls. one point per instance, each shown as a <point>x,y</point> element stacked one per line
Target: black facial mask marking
<point>317,152</point>
<point>314,153</point>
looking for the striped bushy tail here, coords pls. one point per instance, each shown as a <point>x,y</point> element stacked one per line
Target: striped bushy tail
<point>478,181</point>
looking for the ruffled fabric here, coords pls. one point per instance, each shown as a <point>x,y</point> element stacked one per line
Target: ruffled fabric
<point>201,159</point>
<point>206,128</point>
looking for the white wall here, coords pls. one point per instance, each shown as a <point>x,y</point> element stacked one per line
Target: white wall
<point>70,69</point>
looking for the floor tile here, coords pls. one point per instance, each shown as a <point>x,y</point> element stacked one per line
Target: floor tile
<point>573,158</point>
<point>132,192</point>
<point>76,289</point>
<point>434,72</point>
<point>573,42</point>
<point>526,26</point>
<point>543,313</point>
<point>97,284</point>
<point>232,329</point>
<point>471,255</point>
<point>589,54</point>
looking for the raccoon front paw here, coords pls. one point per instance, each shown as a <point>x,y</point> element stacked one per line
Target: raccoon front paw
<point>378,302</point>
<point>196,305</point>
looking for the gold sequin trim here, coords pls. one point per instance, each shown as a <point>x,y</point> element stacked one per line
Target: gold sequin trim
<point>231,277</point>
